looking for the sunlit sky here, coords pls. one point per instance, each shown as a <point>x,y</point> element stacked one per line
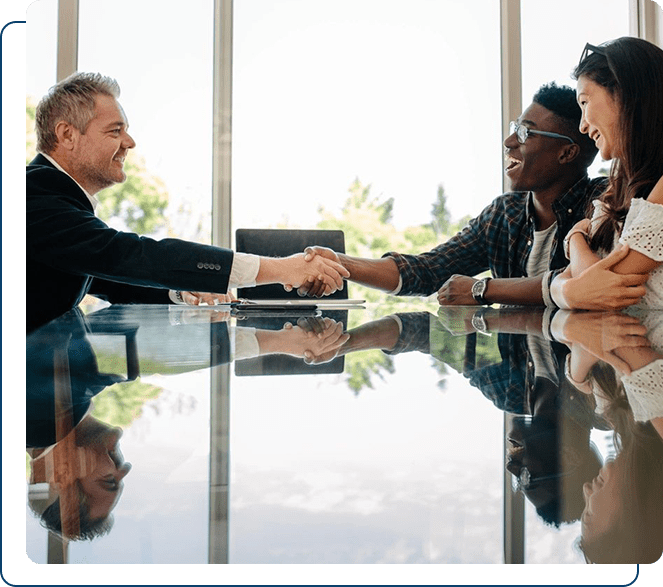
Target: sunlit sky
<point>325,91</point>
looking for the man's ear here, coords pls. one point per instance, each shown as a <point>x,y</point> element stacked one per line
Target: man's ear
<point>569,153</point>
<point>67,135</point>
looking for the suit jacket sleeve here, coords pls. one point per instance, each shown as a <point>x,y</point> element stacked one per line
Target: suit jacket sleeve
<point>123,293</point>
<point>64,233</point>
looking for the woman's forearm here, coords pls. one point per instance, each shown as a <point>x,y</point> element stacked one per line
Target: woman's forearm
<point>582,256</point>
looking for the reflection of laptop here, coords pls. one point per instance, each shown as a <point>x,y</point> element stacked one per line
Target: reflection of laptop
<point>282,243</point>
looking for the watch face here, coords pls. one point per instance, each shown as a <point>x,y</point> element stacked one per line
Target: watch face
<point>478,288</point>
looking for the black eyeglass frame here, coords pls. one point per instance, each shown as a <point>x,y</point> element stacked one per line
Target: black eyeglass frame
<point>522,136</point>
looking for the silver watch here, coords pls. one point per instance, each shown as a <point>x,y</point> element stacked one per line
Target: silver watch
<point>479,290</point>
<point>479,322</point>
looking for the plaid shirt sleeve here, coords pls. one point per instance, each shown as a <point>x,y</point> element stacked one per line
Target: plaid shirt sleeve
<point>467,253</point>
<point>499,240</point>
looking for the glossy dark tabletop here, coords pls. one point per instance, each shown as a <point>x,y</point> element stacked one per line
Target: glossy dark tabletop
<point>403,434</point>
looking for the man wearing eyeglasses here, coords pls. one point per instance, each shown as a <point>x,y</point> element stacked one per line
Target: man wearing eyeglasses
<point>519,236</point>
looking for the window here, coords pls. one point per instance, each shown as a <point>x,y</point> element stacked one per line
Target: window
<point>162,59</point>
<point>41,47</point>
<point>401,99</point>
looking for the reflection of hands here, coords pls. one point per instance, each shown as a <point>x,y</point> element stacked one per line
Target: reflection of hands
<point>457,291</point>
<point>317,340</point>
<point>599,288</point>
<point>187,315</point>
<point>195,298</point>
<point>315,288</point>
<point>600,334</point>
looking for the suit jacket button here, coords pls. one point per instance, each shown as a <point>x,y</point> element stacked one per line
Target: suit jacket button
<point>200,265</point>
<point>217,267</point>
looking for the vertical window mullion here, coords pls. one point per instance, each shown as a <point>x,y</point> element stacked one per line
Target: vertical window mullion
<point>511,72</point>
<point>222,117</point>
<point>67,59</point>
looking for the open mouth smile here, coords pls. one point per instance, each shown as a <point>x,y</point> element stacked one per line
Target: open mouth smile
<point>512,163</point>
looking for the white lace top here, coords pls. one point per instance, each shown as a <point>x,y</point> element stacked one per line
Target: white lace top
<point>643,232</point>
<point>644,387</point>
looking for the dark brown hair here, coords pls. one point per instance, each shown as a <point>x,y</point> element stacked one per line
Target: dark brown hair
<point>631,70</point>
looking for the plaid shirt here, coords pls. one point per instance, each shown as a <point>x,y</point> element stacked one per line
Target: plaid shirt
<point>499,239</point>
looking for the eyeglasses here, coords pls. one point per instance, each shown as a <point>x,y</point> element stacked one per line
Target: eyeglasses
<point>525,481</point>
<point>593,49</point>
<point>522,133</point>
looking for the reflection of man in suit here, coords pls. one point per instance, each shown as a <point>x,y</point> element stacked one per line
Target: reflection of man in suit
<point>76,455</point>
<point>82,141</point>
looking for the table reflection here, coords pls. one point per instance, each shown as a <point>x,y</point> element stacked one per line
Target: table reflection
<point>564,380</point>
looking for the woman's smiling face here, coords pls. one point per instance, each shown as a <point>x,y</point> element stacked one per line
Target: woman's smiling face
<point>600,116</point>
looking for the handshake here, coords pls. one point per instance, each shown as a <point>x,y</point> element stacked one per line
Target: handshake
<point>316,272</point>
<point>330,273</point>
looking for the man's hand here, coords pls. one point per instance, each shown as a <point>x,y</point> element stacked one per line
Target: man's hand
<point>316,288</point>
<point>322,273</point>
<point>317,340</point>
<point>457,291</point>
<point>195,298</point>
<point>599,288</point>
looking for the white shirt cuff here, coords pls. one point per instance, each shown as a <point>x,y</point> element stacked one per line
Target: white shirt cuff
<point>246,344</point>
<point>399,287</point>
<point>545,290</point>
<point>244,270</point>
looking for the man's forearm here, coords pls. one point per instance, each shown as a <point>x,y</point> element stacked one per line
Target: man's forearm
<point>517,291</point>
<point>377,273</point>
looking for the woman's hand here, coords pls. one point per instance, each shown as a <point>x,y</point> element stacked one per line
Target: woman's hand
<point>598,287</point>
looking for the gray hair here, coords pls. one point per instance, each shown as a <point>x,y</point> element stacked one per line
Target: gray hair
<point>72,100</point>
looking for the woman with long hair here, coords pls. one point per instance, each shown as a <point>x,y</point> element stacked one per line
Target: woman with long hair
<point>620,84</point>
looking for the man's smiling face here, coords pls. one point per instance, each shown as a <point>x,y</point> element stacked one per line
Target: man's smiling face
<point>99,153</point>
<point>534,165</point>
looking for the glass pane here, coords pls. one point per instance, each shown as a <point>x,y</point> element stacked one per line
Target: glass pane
<point>41,53</point>
<point>553,41</point>
<point>161,54</point>
<point>374,98</point>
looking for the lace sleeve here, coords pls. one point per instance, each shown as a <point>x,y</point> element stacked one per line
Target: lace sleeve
<point>643,229</point>
<point>644,389</point>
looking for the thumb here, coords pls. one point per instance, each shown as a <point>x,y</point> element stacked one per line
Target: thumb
<point>309,253</point>
<point>613,258</point>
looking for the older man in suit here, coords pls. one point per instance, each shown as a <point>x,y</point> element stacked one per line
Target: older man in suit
<point>83,139</point>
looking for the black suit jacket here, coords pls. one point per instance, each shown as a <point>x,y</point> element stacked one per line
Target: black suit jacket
<point>70,252</point>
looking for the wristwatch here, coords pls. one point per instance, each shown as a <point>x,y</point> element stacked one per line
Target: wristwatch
<point>479,289</point>
<point>479,322</point>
